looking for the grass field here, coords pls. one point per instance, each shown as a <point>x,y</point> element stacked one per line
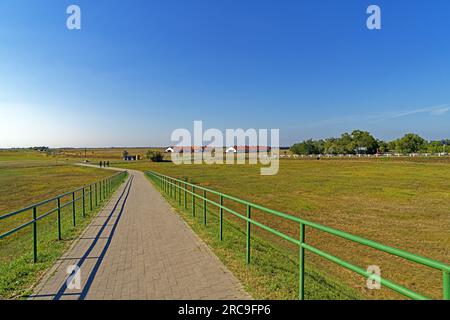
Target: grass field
<point>273,273</point>
<point>404,204</point>
<point>27,178</point>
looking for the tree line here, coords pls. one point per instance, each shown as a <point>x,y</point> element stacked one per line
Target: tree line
<point>362,142</point>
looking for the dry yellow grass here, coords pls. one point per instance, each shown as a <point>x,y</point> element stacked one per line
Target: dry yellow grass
<point>404,204</point>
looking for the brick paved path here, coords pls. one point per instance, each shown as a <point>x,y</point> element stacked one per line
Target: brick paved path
<point>138,248</point>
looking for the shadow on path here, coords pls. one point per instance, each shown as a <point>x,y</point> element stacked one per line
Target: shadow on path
<point>85,290</point>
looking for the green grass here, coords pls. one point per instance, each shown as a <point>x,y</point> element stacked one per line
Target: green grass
<point>22,183</point>
<point>272,273</point>
<point>404,204</point>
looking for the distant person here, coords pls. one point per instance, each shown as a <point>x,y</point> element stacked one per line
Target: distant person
<point>100,164</point>
<point>107,163</point>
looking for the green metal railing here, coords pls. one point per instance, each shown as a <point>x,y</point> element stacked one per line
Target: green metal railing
<point>170,185</point>
<point>95,194</point>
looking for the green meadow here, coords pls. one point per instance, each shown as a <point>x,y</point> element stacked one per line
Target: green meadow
<point>400,203</point>
<point>27,178</point>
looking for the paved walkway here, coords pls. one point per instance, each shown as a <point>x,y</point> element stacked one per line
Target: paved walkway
<point>138,248</point>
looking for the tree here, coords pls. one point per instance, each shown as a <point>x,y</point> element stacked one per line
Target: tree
<point>392,145</point>
<point>345,144</point>
<point>303,148</point>
<point>308,147</point>
<point>363,140</point>
<point>330,146</point>
<point>125,154</point>
<point>155,156</point>
<point>382,146</point>
<point>435,147</point>
<point>411,143</point>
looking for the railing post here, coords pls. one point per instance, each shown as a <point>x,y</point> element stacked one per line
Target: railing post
<point>179,193</point>
<point>446,285</point>
<point>301,264</point>
<point>96,202</point>
<point>172,189</point>
<point>84,203</point>
<point>193,201</point>
<point>74,213</point>
<point>185,196</point>
<point>59,219</point>
<point>204,207</point>
<point>35,255</point>
<point>249,214</point>
<point>221,219</point>
<point>90,197</point>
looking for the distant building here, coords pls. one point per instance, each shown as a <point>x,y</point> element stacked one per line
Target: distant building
<point>234,149</point>
<point>131,158</point>
<point>251,149</point>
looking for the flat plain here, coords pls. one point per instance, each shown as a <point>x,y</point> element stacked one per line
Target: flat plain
<point>404,203</point>
<point>401,202</point>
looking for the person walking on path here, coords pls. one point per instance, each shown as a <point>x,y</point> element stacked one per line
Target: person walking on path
<point>100,164</point>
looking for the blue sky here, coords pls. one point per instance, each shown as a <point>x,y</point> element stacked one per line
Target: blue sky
<point>139,69</point>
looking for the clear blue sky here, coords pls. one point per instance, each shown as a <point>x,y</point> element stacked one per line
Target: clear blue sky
<point>139,69</point>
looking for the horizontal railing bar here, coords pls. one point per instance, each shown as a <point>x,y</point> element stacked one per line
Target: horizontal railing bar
<point>42,216</point>
<point>66,204</point>
<point>391,250</point>
<point>256,223</point>
<point>15,213</point>
<point>398,288</point>
<point>369,243</point>
<point>26,224</point>
<point>10,232</point>
<point>38,204</point>
<point>244,202</point>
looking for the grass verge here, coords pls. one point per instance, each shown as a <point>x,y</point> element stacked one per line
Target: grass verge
<point>18,273</point>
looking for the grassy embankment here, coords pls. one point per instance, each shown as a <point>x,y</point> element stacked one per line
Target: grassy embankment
<point>27,178</point>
